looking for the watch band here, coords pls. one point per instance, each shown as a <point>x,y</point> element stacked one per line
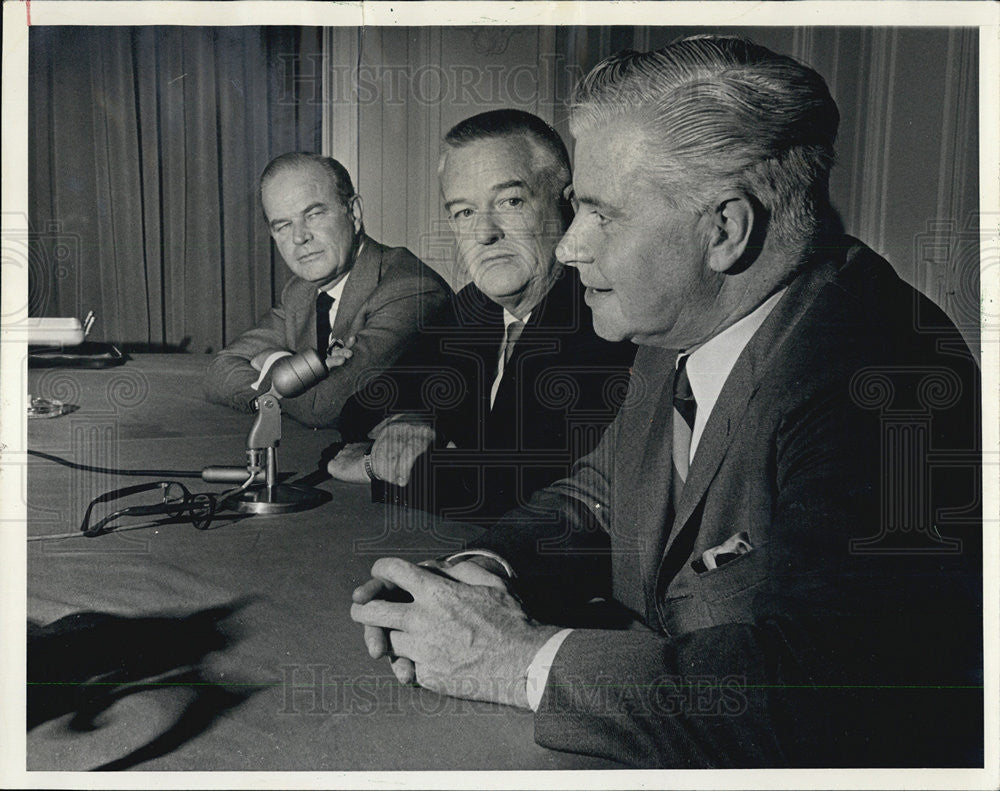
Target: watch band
<point>368,467</point>
<point>368,463</point>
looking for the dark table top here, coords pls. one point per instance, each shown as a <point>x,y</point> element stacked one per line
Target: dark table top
<point>168,647</point>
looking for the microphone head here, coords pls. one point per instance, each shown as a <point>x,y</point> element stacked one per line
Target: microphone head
<point>292,376</point>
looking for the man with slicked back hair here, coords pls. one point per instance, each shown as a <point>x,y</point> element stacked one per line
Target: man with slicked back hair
<point>513,386</point>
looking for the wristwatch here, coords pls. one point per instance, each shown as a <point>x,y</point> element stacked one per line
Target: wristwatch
<point>368,463</point>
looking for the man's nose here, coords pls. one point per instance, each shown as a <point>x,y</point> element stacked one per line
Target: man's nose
<point>572,249</point>
<point>301,233</point>
<point>487,229</point>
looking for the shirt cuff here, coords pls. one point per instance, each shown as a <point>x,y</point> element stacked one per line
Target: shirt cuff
<point>538,670</point>
<point>271,360</point>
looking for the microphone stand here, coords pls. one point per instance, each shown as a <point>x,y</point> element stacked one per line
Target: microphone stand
<point>260,492</point>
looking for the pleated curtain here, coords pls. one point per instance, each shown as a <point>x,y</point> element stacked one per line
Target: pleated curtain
<point>145,148</point>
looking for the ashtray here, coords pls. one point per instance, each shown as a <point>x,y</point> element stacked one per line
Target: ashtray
<point>47,407</point>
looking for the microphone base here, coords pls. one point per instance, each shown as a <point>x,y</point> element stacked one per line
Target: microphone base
<point>282,498</point>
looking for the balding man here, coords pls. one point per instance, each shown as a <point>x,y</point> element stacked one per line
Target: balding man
<point>355,301</point>
<point>806,591</point>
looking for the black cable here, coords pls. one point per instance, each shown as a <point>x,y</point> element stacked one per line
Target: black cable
<point>111,471</point>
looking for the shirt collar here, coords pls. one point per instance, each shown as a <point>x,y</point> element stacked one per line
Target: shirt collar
<point>509,318</point>
<point>710,364</point>
<point>336,290</point>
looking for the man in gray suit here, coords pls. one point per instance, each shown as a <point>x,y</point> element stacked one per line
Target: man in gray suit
<point>806,592</point>
<point>357,302</point>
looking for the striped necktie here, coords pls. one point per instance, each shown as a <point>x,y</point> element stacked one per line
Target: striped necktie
<point>323,304</point>
<point>685,408</point>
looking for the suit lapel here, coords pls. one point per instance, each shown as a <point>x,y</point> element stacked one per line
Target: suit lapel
<point>303,316</point>
<point>474,346</point>
<point>535,350</point>
<point>715,439</point>
<point>521,359</point>
<point>738,391</point>
<point>364,277</point>
<point>653,477</point>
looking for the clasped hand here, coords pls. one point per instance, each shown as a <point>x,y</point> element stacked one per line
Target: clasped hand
<point>462,634</point>
<point>339,355</point>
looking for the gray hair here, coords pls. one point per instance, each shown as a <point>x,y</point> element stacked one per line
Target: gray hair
<point>550,160</point>
<point>723,112</point>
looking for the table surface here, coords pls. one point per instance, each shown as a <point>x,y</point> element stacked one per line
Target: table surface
<point>168,647</point>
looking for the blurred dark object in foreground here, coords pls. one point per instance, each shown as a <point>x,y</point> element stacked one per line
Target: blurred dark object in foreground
<point>86,662</point>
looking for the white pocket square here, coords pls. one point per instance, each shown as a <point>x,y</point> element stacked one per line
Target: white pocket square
<point>738,544</point>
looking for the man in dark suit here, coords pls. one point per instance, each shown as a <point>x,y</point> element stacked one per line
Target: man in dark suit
<point>350,298</point>
<point>512,385</point>
<point>806,581</point>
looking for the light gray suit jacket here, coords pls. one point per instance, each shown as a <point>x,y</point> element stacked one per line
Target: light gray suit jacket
<point>388,296</point>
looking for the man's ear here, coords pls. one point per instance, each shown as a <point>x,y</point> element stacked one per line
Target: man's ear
<point>731,228</point>
<point>357,211</point>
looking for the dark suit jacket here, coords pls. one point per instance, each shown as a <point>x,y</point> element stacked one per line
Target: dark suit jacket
<point>560,389</point>
<point>845,442</point>
<point>388,296</point>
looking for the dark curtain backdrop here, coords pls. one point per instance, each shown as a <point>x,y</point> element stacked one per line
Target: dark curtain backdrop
<point>145,147</point>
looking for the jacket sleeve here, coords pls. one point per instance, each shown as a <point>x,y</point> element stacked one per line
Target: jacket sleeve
<point>457,484</point>
<point>558,544</point>
<point>230,375</point>
<point>386,324</point>
<point>394,390</point>
<point>446,482</point>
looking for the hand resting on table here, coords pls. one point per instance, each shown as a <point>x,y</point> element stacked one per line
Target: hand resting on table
<point>463,634</point>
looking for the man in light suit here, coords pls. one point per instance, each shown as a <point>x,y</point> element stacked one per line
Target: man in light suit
<point>806,584</point>
<point>357,302</point>
<point>511,385</point>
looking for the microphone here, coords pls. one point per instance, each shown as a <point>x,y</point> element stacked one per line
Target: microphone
<point>259,491</point>
<point>293,375</point>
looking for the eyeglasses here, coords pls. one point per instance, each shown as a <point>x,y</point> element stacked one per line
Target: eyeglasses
<point>176,503</point>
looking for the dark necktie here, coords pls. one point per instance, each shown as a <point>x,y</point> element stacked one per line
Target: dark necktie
<point>511,335</point>
<point>514,330</point>
<point>323,304</point>
<point>685,408</point>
